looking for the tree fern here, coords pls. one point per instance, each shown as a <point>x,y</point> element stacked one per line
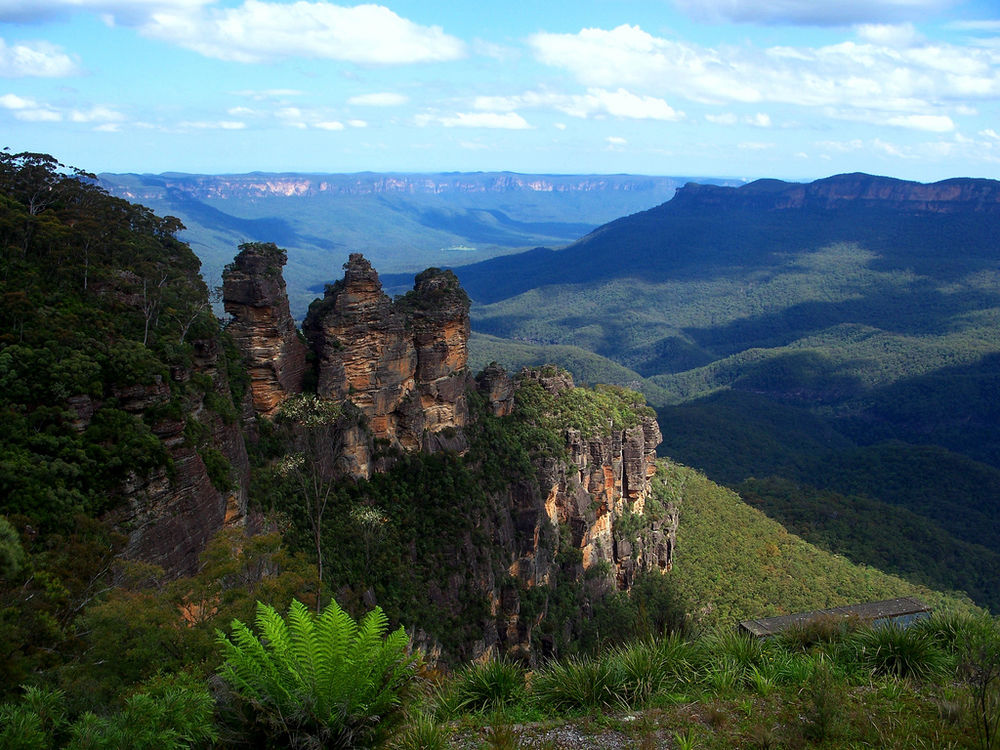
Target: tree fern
<point>319,678</point>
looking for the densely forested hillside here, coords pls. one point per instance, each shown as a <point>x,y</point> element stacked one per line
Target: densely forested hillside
<point>125,410</point>
<point>842,334</point>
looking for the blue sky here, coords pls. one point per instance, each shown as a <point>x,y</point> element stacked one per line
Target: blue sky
<point>794,89</point>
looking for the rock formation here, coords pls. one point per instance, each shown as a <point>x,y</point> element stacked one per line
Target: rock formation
<point>948,196</point>
<point>587,495</point>
<point>254,294</point>
<point>402,363</point>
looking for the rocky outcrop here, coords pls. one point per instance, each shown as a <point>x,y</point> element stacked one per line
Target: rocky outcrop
<point>948,196</point>
<point>403,363</point>
<point>171,512</point>
<point>253,291</point>
<point>589,520</point>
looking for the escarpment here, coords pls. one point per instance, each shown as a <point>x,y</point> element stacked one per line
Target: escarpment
<point>578,511</point>
<point>262,326</point>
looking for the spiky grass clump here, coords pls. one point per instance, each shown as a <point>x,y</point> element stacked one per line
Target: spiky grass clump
<point>819,631</point>
<point>422,733</point>
<point>582,684</point>
<point>492,685</point>
<point>892,651</point>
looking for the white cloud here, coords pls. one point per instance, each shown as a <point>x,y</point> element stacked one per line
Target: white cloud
<point>932,123</point>
<point>28,110</point>
<point>754,146</point>
<point>330,125</point>
<point>34,59</point>
<point>890,35</point>
<point>921,83</point>
<point>379,99</point>
<point>358,123</point>
<point>504,121</point>
<point>727,118</point>
<point>759,120</point>
<point>809,12</point>
<point>990,133</point>
<point>212,125</point>
<point>596,102</point>
<point>614,140</point>
<point>97,114</point>
<point>259,31</point>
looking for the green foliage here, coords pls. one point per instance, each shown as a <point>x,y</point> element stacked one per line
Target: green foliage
<point>319,678</point>
<point>581,683</point>
<point>167,713</point>
<point>489,686</point>
<point>592,411</point>
<point>12,556</point>
<point>738,564</point>
<point>891,538</point>
<point>900,652</point>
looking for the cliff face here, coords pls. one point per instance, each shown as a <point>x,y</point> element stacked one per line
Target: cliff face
<point>404,363</point>
<point>592,499</point>
<point>948,196</point>
<point>262,326</point>
<point>171,515</point>
<point>255,186</point>
<point>581,517</point>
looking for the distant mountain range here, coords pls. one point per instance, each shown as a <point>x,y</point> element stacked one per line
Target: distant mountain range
<point>841,336</point>
<point>401,222</point>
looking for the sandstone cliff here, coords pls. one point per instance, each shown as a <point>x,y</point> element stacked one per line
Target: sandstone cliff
<point>253,290</point>
<point>589,504</point>
<point>948,196</point>
<point>576,513</point>
<point>403,364</point>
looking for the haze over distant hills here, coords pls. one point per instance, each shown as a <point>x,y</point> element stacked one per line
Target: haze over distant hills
<point>401,222</point>
<point>841,337</point>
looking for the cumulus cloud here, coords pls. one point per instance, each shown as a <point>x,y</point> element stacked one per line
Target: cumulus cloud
<point>97,114</point>
<point>619,103</point>
<point>809,12</point>
<point>259,31</point>
<point>330,125</point>
<point>502,121</point>
<point>379,99</point>
<point>932,123</point>
<point>29,110</point>
<point>890,35</point>
<point>28,59</point>
<point>853,79</point>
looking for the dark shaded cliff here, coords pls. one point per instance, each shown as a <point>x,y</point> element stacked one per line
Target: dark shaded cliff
<point>708,230</point>
<point>118,388</point>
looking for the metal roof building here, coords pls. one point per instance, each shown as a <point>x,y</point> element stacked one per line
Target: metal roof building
<point>900,611</point>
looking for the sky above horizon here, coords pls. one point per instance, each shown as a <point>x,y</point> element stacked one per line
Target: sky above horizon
<point>793,89</point>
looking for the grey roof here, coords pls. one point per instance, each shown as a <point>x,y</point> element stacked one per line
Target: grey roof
<point>867,611</point>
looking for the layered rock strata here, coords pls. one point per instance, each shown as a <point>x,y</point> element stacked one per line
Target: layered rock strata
<point>253,292</point>
<point>402,363</point>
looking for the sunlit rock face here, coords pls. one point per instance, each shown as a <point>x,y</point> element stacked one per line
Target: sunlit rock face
<point>402,363</point>
<point>253,290</point>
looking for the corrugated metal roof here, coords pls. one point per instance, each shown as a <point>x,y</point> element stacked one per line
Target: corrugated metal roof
<point>866,611</point>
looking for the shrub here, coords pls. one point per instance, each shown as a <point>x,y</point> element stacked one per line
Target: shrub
<point>893,651</point>
<point>818,630</point>
<point>581,683</point>
<point>320,679</point>
<point>490,686</point>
